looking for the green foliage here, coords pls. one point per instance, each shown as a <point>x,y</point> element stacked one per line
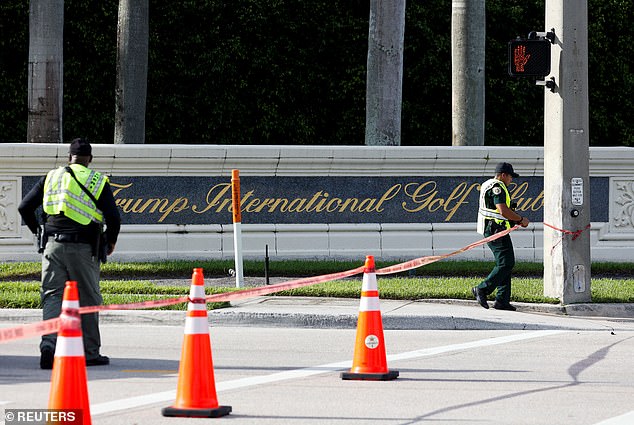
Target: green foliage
<point>257,72</point>
<point>27,294</point>
<point>21,299</point>
<point>611,73</point>
<point>16,294</point>
<point>401,288</point>
<point>90,43</point>
<point>14,48</point>
<point>17,286</point>
<point>288,72</point>
<point>612,290</point>
<point>514,106</point>
<point>182,269</point>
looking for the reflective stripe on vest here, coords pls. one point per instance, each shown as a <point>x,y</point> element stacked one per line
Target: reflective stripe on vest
<point>488,213</point>
<point>63,194</point>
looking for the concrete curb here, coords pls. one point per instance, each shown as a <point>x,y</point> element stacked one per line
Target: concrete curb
<point>339,313</point>
<point>616,310</point>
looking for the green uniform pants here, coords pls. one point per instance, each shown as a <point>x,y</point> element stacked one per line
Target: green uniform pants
<point>500,276</point>
<point>64,261</point>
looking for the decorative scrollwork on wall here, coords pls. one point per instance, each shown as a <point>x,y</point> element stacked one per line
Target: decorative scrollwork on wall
<point>8,208</point>
<point>623,206</point>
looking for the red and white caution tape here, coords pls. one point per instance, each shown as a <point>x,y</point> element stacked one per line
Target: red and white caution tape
<point>134,306</point>
<point>53,325</point>
<point>30,330</point>
<point>284,286</point>
<point>228,296</point>
<point>422,261</point>
<point>575,234</point>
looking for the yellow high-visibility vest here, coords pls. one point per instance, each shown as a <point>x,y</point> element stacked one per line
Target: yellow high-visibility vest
<point>485,213</point>
<point>62,194</point>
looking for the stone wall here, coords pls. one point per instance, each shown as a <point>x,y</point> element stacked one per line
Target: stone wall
<point>612,238</point>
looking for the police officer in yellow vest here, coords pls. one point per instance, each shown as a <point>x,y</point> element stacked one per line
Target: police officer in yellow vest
<point>495,215</point>
<point>72,223</point>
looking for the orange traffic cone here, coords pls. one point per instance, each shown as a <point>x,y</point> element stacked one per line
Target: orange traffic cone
<point>69,388</point>
<point>196,392</point>
<point>369,362</point>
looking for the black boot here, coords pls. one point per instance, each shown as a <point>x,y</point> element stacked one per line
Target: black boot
<point>480,296</point>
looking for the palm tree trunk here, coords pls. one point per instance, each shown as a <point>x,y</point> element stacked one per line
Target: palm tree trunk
<point>132,62</point>
<point>46,71</point>
<point>384,93</point>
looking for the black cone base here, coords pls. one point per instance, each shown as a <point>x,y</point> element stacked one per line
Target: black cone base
<point>196,413</point>
<point>350,376</point>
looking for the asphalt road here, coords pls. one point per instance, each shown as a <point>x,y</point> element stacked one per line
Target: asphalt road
<point>291,376</point>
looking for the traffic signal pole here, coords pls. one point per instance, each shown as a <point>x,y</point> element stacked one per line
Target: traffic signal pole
<point>566,156</point>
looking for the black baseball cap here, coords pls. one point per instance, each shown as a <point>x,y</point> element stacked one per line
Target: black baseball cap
<point>505,167</point>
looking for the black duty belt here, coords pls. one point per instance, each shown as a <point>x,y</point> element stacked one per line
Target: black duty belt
<point>71,238</point>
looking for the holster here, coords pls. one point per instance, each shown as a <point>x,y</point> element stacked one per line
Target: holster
<point>100,250</point>
<point>495,227</point>
<point>41,239</point>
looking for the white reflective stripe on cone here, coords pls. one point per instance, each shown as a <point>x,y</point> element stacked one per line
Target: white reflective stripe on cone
<point>70,304</point>
<point>196,291</point>
<point>369,304</point>
<point>69,346</point>
<point>196,325</point>
<point>369,282</point>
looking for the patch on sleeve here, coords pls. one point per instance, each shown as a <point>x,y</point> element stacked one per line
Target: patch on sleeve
<point>497,190</point>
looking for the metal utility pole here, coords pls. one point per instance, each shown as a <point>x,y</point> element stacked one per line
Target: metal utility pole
<point>46,71</point>
<point>132,63</point>
<point>566,155</point>
<point>384,91</point>
<point>468,22</point>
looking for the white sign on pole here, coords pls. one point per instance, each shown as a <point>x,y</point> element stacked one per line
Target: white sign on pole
<point>577,190</point>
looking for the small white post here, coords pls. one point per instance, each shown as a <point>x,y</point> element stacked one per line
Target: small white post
<point>237,222</point>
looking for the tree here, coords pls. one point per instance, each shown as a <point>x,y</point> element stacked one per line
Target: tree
<point>468,34</point>
<point>385,73</point>
<point>46,71</point>
<point>132,65</point>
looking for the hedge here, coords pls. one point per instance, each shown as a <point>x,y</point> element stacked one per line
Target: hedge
<point>293,72</point>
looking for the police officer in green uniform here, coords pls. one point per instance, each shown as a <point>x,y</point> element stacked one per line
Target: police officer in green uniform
<point>73,224</point>
<point>495,215</point>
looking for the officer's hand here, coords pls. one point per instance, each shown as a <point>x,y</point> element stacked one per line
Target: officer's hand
<point>110,248</point>
<point>524,222</point>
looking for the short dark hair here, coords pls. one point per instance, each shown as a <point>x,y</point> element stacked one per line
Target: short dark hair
<point>80,147</point>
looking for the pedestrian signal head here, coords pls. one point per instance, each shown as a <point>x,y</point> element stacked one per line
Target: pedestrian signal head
<point>529,58</point>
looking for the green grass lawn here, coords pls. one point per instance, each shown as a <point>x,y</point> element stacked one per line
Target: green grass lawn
<point>132,282</point>
<point>181,269</point>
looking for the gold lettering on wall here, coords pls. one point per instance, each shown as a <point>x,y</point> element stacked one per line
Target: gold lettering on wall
<point>215,199</point>
<point>526,204</point>
<point>411,197</point>
<point>458,197</point>
<point>425,196</point>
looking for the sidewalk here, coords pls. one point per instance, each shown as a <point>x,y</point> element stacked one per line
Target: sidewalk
<point>308,312</point>
<point>422,315</point>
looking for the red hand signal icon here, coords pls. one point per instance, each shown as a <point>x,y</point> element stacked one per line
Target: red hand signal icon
<point>529,58</point>
<point>520,58</point>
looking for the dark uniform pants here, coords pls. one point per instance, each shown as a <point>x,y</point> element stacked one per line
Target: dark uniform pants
<point>500,276</point>
<point>64,261</point>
